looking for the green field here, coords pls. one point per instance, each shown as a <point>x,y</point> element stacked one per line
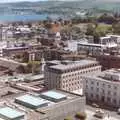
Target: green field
<point>104,27</point>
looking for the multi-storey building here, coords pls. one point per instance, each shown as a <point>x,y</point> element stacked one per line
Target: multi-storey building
<point>66,75</point>
<point>109,61</point>
<point>103,87</point>
<point>95,49</point>
<point>48,105</point>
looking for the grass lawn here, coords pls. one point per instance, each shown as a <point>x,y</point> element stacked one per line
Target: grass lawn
<point>104,27</point>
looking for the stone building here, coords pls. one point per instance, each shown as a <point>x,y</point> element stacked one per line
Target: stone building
<point>66,75</point>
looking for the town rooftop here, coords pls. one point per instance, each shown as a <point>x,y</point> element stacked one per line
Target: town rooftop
<point>9,113</point>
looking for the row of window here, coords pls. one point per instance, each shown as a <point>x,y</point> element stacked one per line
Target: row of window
<point>103,84</point>
<point>72,81</point>
<point>81,72</point>
<point>102,98</point>
<point>102,91</point>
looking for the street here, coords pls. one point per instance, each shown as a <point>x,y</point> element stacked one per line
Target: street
<point>91,111</point>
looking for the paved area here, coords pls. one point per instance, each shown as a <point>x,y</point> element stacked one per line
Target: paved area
<point>91,110</point>
<point>91,117</point>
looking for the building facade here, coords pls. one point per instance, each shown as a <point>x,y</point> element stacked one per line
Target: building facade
<point>66,75</point>
<point>95,49</point>
<point>109,61</point>
<point>90,49</point>
<point>103,88</point>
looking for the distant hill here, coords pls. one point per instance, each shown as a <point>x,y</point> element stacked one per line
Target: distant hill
<point>109,5</point>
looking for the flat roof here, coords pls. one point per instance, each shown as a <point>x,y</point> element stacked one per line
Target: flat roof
<point>111,75</point>
<point>10,113</point>
<point>74,64</point>
<point>34,101</point>
<point>2,119</point>
<point>54,95</point>
<point>34,77</point>
<point>16,48</point>
<point>91,44</point>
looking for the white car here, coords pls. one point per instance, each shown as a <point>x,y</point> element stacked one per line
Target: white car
<point>99,114</point>
<point>118,111</point>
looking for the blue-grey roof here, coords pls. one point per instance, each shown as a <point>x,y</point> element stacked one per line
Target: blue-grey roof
<point>74,64</point>
<point>29,99</point>
<point>54,95</point>
<point>10,113</point>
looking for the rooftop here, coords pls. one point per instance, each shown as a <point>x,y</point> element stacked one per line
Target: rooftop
<point>112,75</point>
<point>9,113</point>
<point>73,64</point>
<point>15,48</point>
<point>31,101</point>
<point>91,44</point>
<point>34,77</point>
<point>54,95</point>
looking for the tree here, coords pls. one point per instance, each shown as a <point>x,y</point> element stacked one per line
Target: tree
<point>96,36</point>
<point>90,29</point>
<point>10,72</point>
<point>116,28</point>
<point>33,67</point>
<point>106,18</point>
<point>25,57</point>
<point>81,116</point>
<point>68,118</point>
<point>20,69</point>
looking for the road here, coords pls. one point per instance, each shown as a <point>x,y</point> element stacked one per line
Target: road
<point>91,110</point>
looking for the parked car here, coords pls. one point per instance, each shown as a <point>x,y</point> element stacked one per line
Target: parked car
<point>118,111</point>
<point>100,114</point>
<point>95,105</point>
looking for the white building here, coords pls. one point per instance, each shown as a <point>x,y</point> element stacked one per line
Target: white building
<point>91,48</point>
<point>95,49</point>
<point>103,87</point>
<point>116,38</point>
<point>72,45</point>
<point>109,41</point>
<point>66,75</point>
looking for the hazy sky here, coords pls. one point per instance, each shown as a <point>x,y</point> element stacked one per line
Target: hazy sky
<point>4,1</point>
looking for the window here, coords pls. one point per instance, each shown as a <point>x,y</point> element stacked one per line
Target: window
<point>97,96</point>
<point>115,87</point>
<point>109,92</point>
<point>91,88</point>
<point>108,99</point>
<point>97,89</point>
<point>103,84</point>
<point>97,83</point>
<point>91,95</point>
<point>109,86</point>
<point>114,101</point>
<point>92,82</point>
<point>115,93</point>
<point>103,91</point>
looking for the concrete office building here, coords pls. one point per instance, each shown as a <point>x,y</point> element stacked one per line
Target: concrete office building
<point>115,38</point>
<point>109,41</point>
<point>95,49</point>
<point>109,61</point>
<point>90,48</point>
<point>7,113</point>
<point>51,105</point>
<point>103,87</point>
<point>31,101</point>
<point>66,75</point>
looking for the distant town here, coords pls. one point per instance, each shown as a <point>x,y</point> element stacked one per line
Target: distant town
<point>63,66</point>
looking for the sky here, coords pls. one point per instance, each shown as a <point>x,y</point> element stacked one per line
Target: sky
<point>6,1</point>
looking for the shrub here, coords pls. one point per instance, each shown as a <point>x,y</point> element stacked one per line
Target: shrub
<point>68,118</point>
<point>81,116</point>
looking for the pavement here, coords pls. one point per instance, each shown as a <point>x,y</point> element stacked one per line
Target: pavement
<point>91,111</point>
